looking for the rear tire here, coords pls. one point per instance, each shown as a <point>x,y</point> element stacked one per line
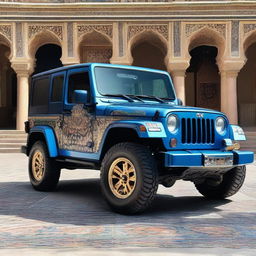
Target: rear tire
<point>43,172</point>
<point>231,183</point>
<point>129,179</point>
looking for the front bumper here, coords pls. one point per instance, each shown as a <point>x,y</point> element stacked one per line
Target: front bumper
<point>199,158</point>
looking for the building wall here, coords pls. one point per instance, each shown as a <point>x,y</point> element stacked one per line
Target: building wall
<point>126,33</point>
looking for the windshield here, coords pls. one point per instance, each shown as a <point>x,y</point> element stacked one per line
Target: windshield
<point>118,81</point>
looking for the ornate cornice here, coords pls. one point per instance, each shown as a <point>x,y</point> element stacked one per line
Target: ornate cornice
<point>6,30</point>
<point>105,29</point>
<point>248,28</point>
<point>136,29</point>
<point>191,28</point>
<point>55,29</point>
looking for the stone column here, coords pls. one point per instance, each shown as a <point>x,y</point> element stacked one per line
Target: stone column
<point>229,95</point>
<point>178,77</point>
<point>229,69</point>
<point>177,69</point>
<point>120,48</point>
<point>22,99</point>
<point>23,71</point>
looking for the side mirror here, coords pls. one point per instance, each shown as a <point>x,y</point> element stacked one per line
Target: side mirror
<point>180,103</point>
<point>80,96</point>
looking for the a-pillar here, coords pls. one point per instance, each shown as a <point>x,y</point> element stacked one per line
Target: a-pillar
<point>178,73</point>
<point>23,72</point>
<point>229,95</point>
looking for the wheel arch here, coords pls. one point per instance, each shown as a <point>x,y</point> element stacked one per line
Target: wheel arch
<point>45,134</point>
<point>123,133</point>
<point>116,135</point>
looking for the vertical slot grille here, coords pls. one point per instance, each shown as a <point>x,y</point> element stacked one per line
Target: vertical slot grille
<point>197,131</point>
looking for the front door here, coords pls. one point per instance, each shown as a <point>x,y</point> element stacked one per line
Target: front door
<point>77,123</point>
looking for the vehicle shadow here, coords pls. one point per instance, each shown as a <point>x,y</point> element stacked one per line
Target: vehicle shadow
<point>76,213</point>
<point>80,202</point>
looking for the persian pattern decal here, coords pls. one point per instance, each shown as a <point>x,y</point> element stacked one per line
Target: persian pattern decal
<point>80,131</point>
<point>76,130</point>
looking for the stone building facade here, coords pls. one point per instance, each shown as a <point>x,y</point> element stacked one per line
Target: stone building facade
<point>209,48</point>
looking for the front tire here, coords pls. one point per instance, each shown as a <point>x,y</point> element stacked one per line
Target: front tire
<point>43,172</point>
<point>232,181</point>
<point>129,179</point>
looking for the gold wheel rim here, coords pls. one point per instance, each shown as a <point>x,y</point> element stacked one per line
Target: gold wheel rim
<point>38,166</point>
<point>122,178</point>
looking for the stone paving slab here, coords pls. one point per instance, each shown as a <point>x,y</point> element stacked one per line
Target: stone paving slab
<point>76,219</point>
<point>130,251</point>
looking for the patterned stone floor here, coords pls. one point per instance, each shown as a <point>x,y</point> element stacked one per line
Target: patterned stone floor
<point>76,217</point>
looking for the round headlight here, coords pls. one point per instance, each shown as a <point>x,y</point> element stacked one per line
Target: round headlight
<point>172,123</point>
<point>220,125</point>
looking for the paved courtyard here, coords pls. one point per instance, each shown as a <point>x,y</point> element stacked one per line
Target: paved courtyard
<point>75,220</point>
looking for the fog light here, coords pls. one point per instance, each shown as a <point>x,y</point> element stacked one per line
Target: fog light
<point>218,161</point>
<point>173,142</point>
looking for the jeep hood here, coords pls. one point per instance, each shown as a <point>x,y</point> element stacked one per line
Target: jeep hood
<point>149,110</point>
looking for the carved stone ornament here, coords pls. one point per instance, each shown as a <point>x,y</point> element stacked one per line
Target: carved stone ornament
<point>56,29</point>
<point>6,30</point>
<point>103,29</point>
<point>248,28</point>
<point>191,28</point>
<point>136,29</point>
<point>98,55</point>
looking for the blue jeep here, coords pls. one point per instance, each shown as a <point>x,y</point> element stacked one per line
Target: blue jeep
<point>127,122</point>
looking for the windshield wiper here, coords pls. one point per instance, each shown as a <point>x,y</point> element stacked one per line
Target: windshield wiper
<point>151,97</point>
<point>120,95</point>
<point>168,98</point>
<point>135,97</point>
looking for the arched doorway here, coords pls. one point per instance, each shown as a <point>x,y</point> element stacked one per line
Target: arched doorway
<point>48,57</point>
<point>246,89</point>
<point>149,51</point>
<point>8,90</point>
<point>94,47</point>
<point>202,83</point>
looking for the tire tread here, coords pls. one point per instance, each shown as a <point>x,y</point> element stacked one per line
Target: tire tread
<point>150,177</point>
<point>52,172</point>
<point>232,182</point>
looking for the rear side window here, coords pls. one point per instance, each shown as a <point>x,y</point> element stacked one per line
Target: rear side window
<point>57,88</point>
<point>40,92</point>
<point>40,95</point>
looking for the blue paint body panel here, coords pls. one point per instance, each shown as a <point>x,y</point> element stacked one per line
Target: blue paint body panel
<point>80,155</point>
<point>135,125</point>
<point>243,157</point>
<point>195,158</point>
<point>50,138</point>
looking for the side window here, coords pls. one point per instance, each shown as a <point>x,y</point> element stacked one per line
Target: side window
<point>78,81</point>
<point>40,92</point>
<point>57,88</point>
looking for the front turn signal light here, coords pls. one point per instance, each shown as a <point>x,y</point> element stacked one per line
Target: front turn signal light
<point>234,146</point>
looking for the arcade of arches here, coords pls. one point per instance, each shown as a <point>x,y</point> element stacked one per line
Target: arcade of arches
<point>207,70</point>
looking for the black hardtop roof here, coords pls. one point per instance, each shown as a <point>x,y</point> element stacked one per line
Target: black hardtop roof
<point>55,70</point>
<point>52,71</point>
